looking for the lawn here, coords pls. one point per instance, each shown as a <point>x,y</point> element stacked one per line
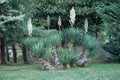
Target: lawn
<point>33,72</point>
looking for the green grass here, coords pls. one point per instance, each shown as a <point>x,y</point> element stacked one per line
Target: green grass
<point>33,72</point>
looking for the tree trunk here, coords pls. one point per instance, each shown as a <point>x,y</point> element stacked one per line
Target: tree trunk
<point>3,61</point>
<point>14,54</point>
<point>8,58</point>
<point>24,52</point>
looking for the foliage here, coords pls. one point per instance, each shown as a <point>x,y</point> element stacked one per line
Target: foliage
<point>38,31</point>
<point>43,42</point>
<point>111,22</point>
<point>38,49</point>
<point>41,32</point>
<point>66,56</point>
<point>90,42</point>
<point>41,9</point>
<point>30,41</point>
<point>102,15</point>
<point>10,23</point>
<point>54,40</point>
<point>72,34</point>
<point>48,52</point>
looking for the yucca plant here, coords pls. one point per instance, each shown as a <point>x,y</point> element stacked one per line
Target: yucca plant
<point>48,21</point>
<point>90,43</point>
<point>30,27</point>
<point>38,49</point>
<point>71,34</point>
<point>53,40</point>
<point>48,52</point>
<point>30,41</point>
<point>59,22</point>
<point>47,33</point>
<point>66,56</point>
<point>72,16</point>
<point>38,31</point>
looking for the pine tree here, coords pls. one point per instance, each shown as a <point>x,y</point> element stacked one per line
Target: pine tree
<point>8,18</point>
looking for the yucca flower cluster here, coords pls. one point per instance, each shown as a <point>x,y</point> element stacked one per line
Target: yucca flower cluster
<point>86,25</point>
<point>48,22</point>
<point>59,22</point>
<point>30,27</point>
<point>72,16</point>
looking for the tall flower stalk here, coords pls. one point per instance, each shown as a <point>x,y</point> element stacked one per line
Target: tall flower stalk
<point>72,16</point>
<point>86,25</point>
<point>30,27</point>
<point>59,22</point>
<point>48,22</point>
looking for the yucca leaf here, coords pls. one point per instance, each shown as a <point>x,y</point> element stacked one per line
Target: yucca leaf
<point>38,48</point>
<point>66,56</point>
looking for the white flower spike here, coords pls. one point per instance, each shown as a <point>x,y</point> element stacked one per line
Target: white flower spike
<point>48,21</point>
<point>86,25</point>
<point>59,22</point>
<point>72,16</point>
<point>29,27</point>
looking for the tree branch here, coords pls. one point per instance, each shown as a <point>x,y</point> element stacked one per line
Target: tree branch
<point>2,1</point>
<point>9,18</point>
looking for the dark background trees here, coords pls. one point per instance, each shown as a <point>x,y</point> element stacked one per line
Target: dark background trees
<point>10,32</point>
